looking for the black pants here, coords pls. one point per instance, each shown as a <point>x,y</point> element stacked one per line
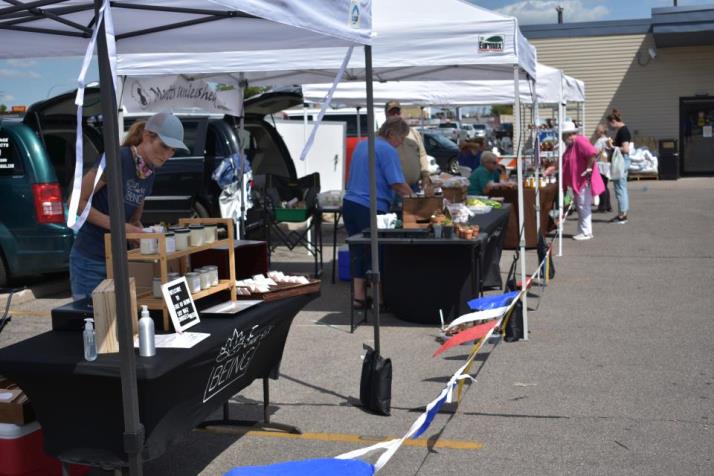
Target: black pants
<point>605,198</point>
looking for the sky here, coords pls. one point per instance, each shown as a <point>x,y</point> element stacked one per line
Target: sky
<point>25,81</point>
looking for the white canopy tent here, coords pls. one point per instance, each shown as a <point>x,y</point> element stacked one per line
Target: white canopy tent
<point>454,93</point>
<point>552,88</point>
<point>412,40</point>
<point>55,28</point>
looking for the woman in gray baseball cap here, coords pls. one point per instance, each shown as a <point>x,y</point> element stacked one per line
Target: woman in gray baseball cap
<point>147,146</point>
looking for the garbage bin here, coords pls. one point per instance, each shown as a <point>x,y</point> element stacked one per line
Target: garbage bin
<point>668,160</point>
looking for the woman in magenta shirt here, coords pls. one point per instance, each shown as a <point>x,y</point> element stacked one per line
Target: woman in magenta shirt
<point>580,174</point>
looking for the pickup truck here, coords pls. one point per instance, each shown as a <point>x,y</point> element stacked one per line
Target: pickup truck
<point>37,161</point>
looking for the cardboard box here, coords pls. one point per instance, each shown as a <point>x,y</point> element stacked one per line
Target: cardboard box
<point>417,212</point>
<point>455,194</point>
<point>15,407</point>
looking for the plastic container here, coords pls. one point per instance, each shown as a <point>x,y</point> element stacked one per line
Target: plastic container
<point>343,263</point>
<point>173,276</point>
<point>194,282</point>
<point>181,236</point>
<point>210,233</point>
<point>197,234</point>
<point>22,453</point>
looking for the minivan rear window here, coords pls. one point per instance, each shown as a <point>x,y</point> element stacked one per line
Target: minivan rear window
<point>10,158</point>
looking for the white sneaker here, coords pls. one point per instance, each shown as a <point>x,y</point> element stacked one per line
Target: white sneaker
<point>582,237</point>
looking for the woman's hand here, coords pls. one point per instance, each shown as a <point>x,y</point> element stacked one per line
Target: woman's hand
<point>133,228</point>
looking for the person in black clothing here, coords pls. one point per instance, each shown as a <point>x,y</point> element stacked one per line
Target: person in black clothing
<point>623,141</point>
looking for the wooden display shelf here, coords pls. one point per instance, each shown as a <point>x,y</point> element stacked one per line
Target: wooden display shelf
<point>162,259</point>
<point>135,254</point>
<point>155,303</point>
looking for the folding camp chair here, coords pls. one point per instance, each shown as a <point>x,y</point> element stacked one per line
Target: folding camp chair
<point>283,200</point>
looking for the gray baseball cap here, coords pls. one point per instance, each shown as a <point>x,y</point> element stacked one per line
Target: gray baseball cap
<point>169,129</point>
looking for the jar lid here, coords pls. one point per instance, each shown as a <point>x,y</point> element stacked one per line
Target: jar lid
<point>211,267</point>
<point>182,230</point>
<point>195,227</point>
<point>191,274</point>
<point>169,234</point>
<point>204,270</point>
<point>157,278</point>
<point>211,225</point>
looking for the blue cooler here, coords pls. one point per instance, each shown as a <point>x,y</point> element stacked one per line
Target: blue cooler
<point>343,263</point>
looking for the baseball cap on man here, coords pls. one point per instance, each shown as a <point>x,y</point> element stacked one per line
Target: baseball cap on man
<point>168,128</point>
<point>393,104</point>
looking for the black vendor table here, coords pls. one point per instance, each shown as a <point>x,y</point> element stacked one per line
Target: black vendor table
<point>423,275</point>
<point>494,224</point>
<point>79,404</point>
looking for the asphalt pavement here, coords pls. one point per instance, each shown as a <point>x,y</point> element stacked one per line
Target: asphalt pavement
<point>616,376</point>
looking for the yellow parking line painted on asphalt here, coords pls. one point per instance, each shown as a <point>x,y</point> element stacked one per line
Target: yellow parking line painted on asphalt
<point>351,438</point>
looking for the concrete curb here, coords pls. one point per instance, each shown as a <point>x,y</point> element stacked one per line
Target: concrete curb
<point>38,291</point>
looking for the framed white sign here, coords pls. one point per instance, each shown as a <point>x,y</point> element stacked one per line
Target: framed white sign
<point>182,309</point>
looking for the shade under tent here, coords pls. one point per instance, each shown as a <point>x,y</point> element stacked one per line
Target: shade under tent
<point>412,40</point>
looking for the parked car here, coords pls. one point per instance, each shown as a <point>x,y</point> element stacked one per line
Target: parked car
<point>33,237</point>
<point>479,130</point>
<point>450,130</point>
<point>442,149</point>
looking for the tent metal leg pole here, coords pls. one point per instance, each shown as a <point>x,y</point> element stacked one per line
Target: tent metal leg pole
<point>133,429</point>
<point>536,158</point>
<point>561,145</point>
<point>519,168</point>
<point>359,123</point>
<point>241,223</point>
<point>374,245</point>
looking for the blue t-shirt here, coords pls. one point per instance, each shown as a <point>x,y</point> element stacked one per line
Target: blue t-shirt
<point>89,241</point>
<point>389,172</point>
<point>469,159</point>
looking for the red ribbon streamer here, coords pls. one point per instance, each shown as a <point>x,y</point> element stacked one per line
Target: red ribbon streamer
<point>472,333</point>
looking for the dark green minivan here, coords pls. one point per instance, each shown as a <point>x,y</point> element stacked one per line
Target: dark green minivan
<point>33,236</point>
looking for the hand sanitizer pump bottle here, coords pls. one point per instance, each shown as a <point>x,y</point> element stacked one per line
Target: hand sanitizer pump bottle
<point>90,342</point>
<point>147,341</point>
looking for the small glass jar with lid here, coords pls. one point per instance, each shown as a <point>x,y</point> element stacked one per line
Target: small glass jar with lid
<point>213,270</point>
<point>210,233</point>
<point>197,234</point>
<point>205,276</point>
<point>156,287</point>
<point>181,236</point>
<point>173,276</point>
<point>170,237</point>
<point>194,282</point>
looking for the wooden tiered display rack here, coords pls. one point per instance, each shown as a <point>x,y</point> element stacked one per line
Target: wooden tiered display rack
<point>162,258</point>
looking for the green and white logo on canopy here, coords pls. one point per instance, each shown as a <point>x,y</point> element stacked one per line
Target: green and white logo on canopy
<point>491,44</point>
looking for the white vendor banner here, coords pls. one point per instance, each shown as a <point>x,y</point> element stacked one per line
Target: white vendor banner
<point>218,94</point>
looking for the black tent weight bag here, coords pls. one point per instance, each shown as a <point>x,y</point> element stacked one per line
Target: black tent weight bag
<point>375,390</point>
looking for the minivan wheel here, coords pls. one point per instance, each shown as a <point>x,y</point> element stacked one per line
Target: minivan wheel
<point>454,167</point>
<point>199,211</point>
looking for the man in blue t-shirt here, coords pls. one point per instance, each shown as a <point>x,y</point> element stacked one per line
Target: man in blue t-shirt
<point>390,180</point>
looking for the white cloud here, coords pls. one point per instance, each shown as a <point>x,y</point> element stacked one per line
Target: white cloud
<point>543,11</point>
<point>18,73</point>
<point>21,62</point>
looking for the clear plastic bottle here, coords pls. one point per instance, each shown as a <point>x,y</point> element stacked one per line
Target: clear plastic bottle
<point>90,340</point>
